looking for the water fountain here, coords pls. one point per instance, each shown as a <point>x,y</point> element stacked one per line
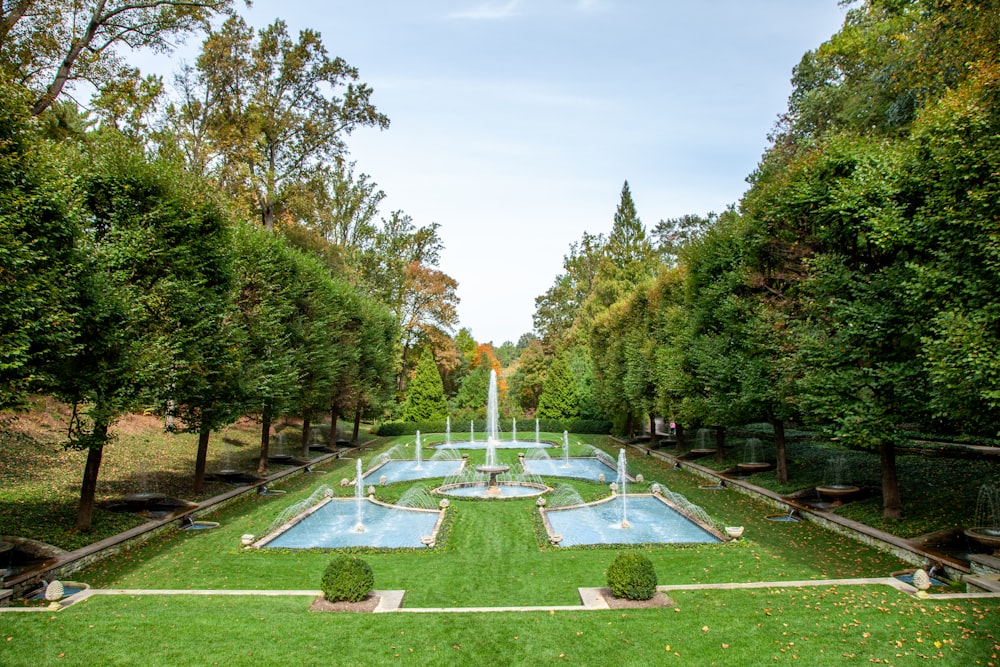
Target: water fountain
<point>279,454</point>
<point>538,437</point>
<point>359,497</point>
<point>622,480</point>
<point>753,458</point>
<point>418,452</point>
<point>837,488</point>
<point>447,430</point>
<point>565,449</point>
<point>491,467</point>
<point>488,483</point>
<point>701,446</point>
<point>987,529</point>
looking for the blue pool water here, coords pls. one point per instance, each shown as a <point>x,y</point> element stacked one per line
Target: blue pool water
<point>587,468</point>
<point>650,521</point>
<point>332,526</point>
<point>407,471</point>
<point>501,444</point>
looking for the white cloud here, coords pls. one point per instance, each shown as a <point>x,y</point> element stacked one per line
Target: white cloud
<point>489,11</point>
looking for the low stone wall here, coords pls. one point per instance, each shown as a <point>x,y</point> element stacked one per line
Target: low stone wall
<point>903,549</point>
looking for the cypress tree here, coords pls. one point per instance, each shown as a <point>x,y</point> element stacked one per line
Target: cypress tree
<point>425,396</point>
<point>558,399</point>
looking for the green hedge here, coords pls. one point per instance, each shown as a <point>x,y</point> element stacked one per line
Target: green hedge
<point>525,427</point>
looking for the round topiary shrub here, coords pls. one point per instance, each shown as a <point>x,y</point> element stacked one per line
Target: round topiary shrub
<point>347,579</point>
<point>631,576</point>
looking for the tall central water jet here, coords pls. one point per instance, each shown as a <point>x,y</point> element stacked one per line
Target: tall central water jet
<point>491,467</point>
<point>622,478</point>
<point>419,453</point>
<point>359,496</point>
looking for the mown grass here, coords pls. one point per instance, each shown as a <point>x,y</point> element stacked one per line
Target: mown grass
<point>800,626</point>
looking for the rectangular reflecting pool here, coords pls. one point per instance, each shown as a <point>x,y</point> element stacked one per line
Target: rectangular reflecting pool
<point>649,521</point>
<point>333,525</point>
<point>408,471</point>
<point>578,468</point>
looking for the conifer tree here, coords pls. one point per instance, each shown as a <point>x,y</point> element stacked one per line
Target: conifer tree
<point>558,399</point>
<point>425,396</point>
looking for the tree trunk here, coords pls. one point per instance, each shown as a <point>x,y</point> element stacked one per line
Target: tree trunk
<point>720,443</point>
<point>331,439</point>
<point>629,426</point>
<point>401,380</point>
<point>265,440</point>
<point>679,434</point>
<point>267,214</point>
<point>892,504</point>
<point>305,436</point>
<point>654,439</point>
<point>357,422</point>
<point>88,489</point>
<point>779,451</point>
<point>200,459</point>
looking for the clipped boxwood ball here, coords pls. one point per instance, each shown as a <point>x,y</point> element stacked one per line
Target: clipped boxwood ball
<point>631,576</point>
<point>347,579</point>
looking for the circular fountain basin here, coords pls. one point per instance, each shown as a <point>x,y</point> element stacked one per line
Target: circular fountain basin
<point>143,498</point>
<point>837,490</point>
<point>754,466</point>
<point>988,537</point>
<point>493,469</point>
<point>483,490</point>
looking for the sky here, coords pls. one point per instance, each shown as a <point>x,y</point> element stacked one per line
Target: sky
<point>515,123</point>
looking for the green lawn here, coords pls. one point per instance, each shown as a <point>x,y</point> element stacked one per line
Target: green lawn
<point>835,626</point>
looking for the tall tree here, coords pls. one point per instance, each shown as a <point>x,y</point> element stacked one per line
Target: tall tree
<point>153,246</point>
<point>558,397</point>
<point>280,110</point>
<point>425,397</point>
<point>46,45</point>
<point>39,227</point>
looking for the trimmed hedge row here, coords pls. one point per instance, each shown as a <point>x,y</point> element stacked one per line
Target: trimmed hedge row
<point>524,427</point>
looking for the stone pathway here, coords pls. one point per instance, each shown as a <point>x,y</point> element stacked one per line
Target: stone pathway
<point>591,598</point>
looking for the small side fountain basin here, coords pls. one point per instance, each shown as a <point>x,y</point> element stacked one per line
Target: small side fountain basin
<point>837,491</point>
<point>986,536</point>
<point>199,525</point>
